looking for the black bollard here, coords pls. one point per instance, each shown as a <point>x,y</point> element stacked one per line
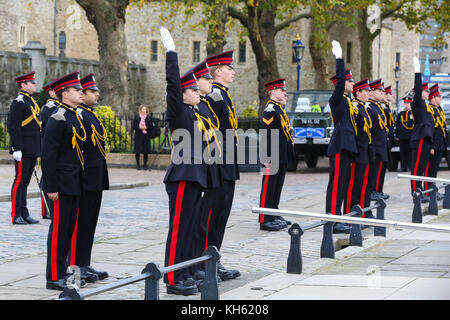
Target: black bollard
<point>327,246</point>
<point>71,294</point>
<point>417,210</point>
<point>380,231</point>
<point>294,262</point>
<point>355,233</point>
<point>152,282</point>
<point>446,201</point>
<point>433,205</point>
<point>210,290</point>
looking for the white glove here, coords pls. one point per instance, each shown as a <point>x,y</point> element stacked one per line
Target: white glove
<point>166,39</point>
<point>17,155</point>
<point>416,65</point>
<point>337,50</point>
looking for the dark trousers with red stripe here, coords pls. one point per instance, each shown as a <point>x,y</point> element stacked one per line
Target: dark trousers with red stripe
<point>337,182</point>
<point>405,155</point>
<point>47,199</point>
<point>184,210</point>
<point>432,168</point>
<point>83,235</point>
<point>219,214</point>
<point>380,173</point>
<point>202,231</point>
<point>60,234</point>
<point>272,185</point>
<point>24,170</point>
<point>357,191</point>
<point>420,151</point>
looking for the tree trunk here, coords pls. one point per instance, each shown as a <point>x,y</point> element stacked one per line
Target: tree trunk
<point>261,33</point>
<point>319,61</point>
<point>365,41</point>
<point>108,19</point>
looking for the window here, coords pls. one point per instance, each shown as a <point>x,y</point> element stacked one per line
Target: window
<point>154,51</point>
<point>196,52</point>
<point>349,52</point>
<point>242,52</point>
<point>22,35</point>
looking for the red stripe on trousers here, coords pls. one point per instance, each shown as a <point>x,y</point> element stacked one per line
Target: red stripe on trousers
<point>175,227</point>
<point>416,166</point>
<point>364,188</point>
<point>264,195</point>
<point>350,187</point>
<point>42,205</point>
<point>14,193</point>
<point>337,160</point>
<point>377,188</point>
<point>73,246</point>
<point>207,228</point>
<point>54,244</point>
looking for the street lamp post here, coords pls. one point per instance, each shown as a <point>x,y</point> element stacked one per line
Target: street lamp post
<point>397,78</point>
<point>298,48</point>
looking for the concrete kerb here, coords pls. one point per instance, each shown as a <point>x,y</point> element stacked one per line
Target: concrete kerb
<point>118,186</point>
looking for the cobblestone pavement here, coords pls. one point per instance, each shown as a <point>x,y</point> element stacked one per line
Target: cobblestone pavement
<point>132,230</point>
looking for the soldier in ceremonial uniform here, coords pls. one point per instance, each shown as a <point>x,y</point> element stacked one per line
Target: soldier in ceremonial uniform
<point>386,100</point>
<point>379,132</point>
<point>214,179</point>
<point>95,180</point>
<point>274,118</point>
<point>221,69</point>
<point>46,111</point>
<point>62,166</point>
<point>423,132</point>
<point>357,192</point>
<point>187,175</point>
<point>440,134</point>
<point>404,126</point>
<point>24,128</point>
<point>342,147</point>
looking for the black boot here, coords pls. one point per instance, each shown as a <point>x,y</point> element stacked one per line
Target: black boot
<point>138,166</point>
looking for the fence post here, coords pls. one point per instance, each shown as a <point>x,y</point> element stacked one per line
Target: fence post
<point>433,205</point>
<point>446,201</point>
<point>294,262</point>
<point>417,210</point>
<point>327,246</point>
<point>380,231</point>
<point>210,290</point>
<point>152,282</point>
<point>355,233</point>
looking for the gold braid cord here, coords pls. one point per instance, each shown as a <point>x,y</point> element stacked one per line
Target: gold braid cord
<point>96,137</point>
<point>405,120</point>
<point>76,137</point>
<point>34,112</point>
<point>352,112</point>
<point>367,124</point>
<point>232,118</point>
<point>439,119</point>
<point>382,122</point>
<point>284,120</point>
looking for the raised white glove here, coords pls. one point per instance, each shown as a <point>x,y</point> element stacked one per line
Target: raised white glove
<point>166,39</point>
<point>416,65</point>
<point>17,155</point>
<point>337,50</point>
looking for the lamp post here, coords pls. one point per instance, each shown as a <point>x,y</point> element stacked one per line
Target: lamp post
<point>298,48</point>
<point>397,78</point>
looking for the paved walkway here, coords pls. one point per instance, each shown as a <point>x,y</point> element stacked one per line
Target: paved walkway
<point>132,231</point>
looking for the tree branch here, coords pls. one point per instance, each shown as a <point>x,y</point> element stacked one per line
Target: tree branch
<point>237,14</point>
<point>285,24</point>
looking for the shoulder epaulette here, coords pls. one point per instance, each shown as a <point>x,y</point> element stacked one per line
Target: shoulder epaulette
<point>59,114</point>
<point>19,98</point>
<point>216,95</point>
<point>270,107</point>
